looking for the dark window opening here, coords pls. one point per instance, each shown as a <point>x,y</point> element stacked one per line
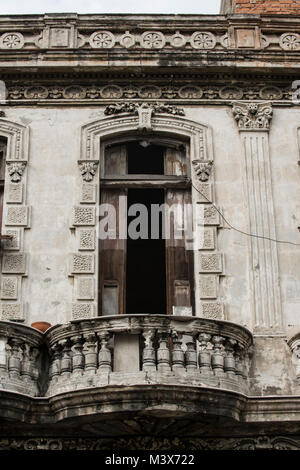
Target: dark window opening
<point>145,159</point>
<point>146,261</point>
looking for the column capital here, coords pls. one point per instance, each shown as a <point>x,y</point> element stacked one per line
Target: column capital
<point>253,116</point>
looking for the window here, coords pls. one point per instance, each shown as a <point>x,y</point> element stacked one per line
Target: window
<point>152,271</point>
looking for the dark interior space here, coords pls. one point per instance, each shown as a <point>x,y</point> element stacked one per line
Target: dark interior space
<point>146,261</point>
<point>145,159</point>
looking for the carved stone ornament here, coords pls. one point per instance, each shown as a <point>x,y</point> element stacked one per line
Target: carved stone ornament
<point>253,116</point>
<point>203,40</point>
<point>15,171</point>
<point>11,41</point>
<point>88,170</point>
<point>102,40</point>
<point>202,169</point>
<point>133,108</point>
<point>153,40</point>
<point>290,41</point>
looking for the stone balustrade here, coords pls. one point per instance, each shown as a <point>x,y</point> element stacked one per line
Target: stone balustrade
<point>21,359</point>
<point>148,349</point>
<point>124,350</point>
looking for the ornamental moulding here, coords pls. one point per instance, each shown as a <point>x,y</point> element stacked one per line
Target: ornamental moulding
<point>134,108</point>
<point>204,87</point>
<point>253,116</point>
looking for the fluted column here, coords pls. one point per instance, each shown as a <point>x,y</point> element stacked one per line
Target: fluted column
<point>254,122</point>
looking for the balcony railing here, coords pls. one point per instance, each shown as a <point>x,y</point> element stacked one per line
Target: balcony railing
<point>124,350</point>
<point>148,349</point>
<point>21,355</point>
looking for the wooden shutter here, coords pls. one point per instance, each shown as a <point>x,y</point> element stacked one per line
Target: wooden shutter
<point>112,255</point>
<point>179,259</point>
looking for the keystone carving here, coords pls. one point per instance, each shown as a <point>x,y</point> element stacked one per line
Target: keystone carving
<point>15,171</point>
<point>88,170</point>
<point>253,116</point>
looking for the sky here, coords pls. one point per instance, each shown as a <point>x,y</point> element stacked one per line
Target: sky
<point>109,6</point>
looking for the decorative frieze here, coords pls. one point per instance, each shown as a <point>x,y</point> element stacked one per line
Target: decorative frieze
<point>178,90</point>
<point>83,216</point>
<point>9,288</point>
<point>207,238</point>
<point>14,263</point>
<point>82,264</point>
<point>14,193</point>
<point>87,239</point>
<point>12,312</point>
<point>17,216</point>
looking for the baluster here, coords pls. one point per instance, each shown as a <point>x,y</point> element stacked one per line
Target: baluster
<point>217,359</point>
<point>149,363</point>
<point>229,361</point>
<point>33,367</point>
<point>177,353</point>
<point>3,356</point>
<point>25,365</point>
<point>90,352</point>
<point>77,356</point>
<point>204,354</point>
<point>239,362</point>
<point>54,372</point>
<point>163,353</point>
<point>104,356</point>
<point>191,356</point>
<point>14,362</point>
<point>66,360</point>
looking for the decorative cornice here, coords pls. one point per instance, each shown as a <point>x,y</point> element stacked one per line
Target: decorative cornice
<point>253,116</point>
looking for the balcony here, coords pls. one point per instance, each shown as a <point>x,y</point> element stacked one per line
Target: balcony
<point>124,350</point>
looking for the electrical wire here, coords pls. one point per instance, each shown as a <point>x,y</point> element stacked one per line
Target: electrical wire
<point>241,231</point>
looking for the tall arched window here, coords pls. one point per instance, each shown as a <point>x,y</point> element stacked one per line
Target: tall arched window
<point>153,273</point>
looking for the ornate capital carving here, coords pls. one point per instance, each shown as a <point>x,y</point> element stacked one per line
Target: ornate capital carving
<point>202,169</point>
<point>88,170</point>
<point>253,116</point>
<point>15,171</point>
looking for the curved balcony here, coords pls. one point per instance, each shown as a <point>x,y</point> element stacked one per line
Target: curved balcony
<point>124,350</point>
<point>21,355</point>
<point>148,349</point>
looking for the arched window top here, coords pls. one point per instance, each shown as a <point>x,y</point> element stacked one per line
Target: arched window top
<point>151,156</point>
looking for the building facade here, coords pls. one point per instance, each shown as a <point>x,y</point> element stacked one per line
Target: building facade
<point>178,342</point>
